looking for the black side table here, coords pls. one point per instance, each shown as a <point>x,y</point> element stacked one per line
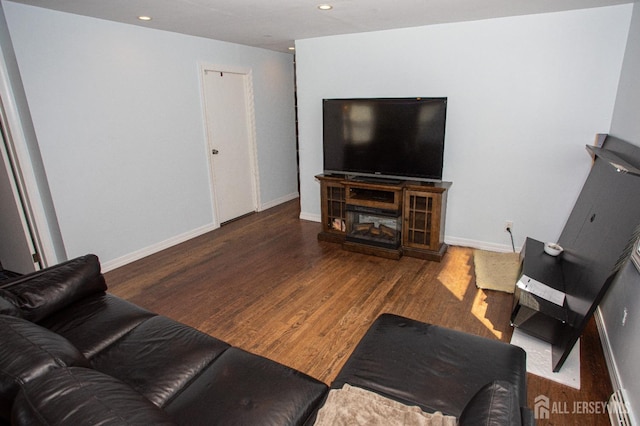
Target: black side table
<point>539,308</point>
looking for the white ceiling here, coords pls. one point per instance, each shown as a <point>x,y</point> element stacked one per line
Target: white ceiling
<point>275,24</point>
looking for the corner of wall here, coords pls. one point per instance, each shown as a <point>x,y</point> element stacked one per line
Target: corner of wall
<point>23,142</point>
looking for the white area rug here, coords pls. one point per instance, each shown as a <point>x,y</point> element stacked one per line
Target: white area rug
<point>539,360</point>
<point>496,271</point>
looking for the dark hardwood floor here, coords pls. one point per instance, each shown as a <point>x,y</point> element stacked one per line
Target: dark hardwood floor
<point>265,284</point>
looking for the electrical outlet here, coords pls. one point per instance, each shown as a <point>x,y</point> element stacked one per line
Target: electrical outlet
<point>508,226</point>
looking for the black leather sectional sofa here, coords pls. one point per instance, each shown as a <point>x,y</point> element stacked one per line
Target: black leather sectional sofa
<point>70,353</point>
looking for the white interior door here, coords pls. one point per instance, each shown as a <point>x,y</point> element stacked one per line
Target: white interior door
<point>231,144</point>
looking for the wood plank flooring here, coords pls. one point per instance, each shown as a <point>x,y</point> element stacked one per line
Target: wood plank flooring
<point>265,284</point>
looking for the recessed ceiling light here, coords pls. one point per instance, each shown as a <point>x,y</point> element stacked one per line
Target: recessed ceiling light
<point>144,18</point>
<point>325,7</point>
<point>292,48</point>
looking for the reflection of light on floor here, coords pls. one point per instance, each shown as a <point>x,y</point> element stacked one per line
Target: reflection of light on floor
<point>479,310</point>
<point>455,279</point>
<point>456,276</point>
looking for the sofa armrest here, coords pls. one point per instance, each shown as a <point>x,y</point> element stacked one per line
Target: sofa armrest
<point>38,295</point>
<point>27,352</point>
<point>77,395</point>
<point>8,308</point>
<point>495,404</point>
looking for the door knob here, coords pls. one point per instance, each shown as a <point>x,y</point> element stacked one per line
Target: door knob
<point>214,151</point>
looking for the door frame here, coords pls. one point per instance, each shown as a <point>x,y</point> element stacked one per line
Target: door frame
<point>251,132</point>
<point>28,236</point>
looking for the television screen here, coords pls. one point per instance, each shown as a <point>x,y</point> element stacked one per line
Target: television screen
<point>385,137</point>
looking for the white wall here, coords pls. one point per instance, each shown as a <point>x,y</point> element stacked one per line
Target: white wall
<point>619,312</point>
<point>626,124</point>
<point>525,95</point>
<point>117,110</point>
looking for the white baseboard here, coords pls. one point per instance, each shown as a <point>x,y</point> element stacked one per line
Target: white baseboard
<point>310,216</point>
<point>612,367</point>
<point>278,201</point>
<point>155,248</point>
<point>453,241</point>
<point>139,254</point>
<point>608,350</point>
<point>482,245</point>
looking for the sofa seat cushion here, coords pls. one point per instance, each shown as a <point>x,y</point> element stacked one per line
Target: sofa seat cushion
<point>240,388</point>
<point>159,357</point>
<point>80,396</point>
<point>42,293</point>
<point>96,322</point>
<point>27,352</point>
<point>436,368</point>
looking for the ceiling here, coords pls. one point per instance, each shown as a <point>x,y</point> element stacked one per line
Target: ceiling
<point>275,24</point>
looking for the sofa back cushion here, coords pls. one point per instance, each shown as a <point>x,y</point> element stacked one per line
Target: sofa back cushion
<point>42,293</point>
<point>76,396</point>
<point>27,352</point>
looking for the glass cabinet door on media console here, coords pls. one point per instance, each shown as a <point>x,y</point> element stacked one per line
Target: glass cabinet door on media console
<point>418,219</point>
<point>422,219</point>
<point>334,215</point>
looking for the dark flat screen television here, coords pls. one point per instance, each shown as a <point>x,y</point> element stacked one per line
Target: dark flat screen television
<point>384,137</point>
